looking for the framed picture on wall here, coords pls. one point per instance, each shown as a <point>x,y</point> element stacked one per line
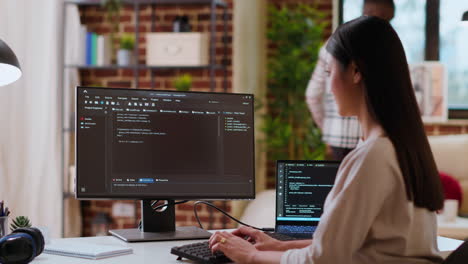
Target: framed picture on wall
<point>429,80</point>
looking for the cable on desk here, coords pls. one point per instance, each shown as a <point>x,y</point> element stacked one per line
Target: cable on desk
<point>225,213</point>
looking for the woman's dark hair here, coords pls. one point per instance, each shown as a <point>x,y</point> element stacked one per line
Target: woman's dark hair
<point>373,45</point>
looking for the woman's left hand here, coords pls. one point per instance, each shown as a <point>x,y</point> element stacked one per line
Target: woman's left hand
<point>237,249</point>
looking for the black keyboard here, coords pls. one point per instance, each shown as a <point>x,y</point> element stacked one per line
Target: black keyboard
<point>199,252</point>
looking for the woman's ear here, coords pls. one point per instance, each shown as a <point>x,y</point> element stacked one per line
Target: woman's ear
<point>357,77</point>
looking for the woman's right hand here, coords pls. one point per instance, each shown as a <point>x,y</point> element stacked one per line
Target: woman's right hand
<point>260,240</point>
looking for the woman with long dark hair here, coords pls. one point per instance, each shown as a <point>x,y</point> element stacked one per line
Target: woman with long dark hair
<point>382,206</point>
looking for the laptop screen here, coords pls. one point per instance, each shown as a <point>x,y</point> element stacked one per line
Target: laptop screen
<point>301,190</point>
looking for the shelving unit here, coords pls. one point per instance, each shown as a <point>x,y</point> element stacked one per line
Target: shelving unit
<point>65,97</point>
<point>141,67</point>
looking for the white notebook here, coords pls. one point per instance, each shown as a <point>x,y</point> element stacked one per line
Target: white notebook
<point>86,250</point>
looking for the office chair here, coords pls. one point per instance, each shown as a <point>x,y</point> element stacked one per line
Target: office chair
<point>260,212</point>
<point>459,256</point>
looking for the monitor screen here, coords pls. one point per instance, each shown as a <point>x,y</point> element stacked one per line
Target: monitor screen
<point>147,144</point>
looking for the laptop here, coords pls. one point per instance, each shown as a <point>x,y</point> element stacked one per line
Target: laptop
<point>301,189</point>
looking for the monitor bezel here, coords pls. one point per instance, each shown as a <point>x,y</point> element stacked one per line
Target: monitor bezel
<point>80,196</point>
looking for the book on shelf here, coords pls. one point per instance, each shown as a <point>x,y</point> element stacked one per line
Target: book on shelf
<point>89,48</point>
<point>94,49</point>
<point>104,50</point>
<point>97,49</point>
<point>81,47</point>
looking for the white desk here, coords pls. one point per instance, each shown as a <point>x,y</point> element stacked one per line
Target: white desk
<point>143,252</point>
<point>159,252</point>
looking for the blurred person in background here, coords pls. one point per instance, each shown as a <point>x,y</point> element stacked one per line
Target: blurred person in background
<point>340,133</point>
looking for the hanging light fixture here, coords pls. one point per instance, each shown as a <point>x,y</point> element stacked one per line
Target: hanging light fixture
<point>465,16</point>
<point>10,69</point>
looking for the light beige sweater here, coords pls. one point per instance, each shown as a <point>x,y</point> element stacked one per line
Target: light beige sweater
<point>367,217</point>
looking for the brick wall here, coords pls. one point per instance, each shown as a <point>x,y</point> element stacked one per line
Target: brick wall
<point>199,16</point>
<point>184,215</point>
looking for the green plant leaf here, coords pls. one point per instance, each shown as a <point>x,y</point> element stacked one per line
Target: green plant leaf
<point>183,82</point>
<point>127,42</point>
<point>20,222</point>
<point>296,33</point>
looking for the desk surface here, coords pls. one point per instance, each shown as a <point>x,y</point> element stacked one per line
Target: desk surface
<point>159,252</point>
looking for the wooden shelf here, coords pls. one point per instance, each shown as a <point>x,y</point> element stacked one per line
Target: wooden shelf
<point>156,2</point>
<point>449,122</point>
<point>141,67</point>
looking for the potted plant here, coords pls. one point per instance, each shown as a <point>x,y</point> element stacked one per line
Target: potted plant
<point>124,54</point>
<point>297,34</point>
<point>20,222</point>
<point>183,83</point>
<point>112,8</point>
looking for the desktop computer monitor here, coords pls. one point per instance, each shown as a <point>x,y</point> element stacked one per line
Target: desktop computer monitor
<point>163,145</point>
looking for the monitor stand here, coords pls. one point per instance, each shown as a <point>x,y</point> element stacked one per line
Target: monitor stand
<point>159,226</point>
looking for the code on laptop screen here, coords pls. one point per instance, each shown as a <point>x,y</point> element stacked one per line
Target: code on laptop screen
<point>302,189</point>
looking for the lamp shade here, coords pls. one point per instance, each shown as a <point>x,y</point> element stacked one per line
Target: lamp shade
<point>465,16</point>
<point>10,70</point>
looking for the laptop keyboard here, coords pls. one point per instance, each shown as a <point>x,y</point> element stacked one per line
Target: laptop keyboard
<point>301,231</point>
<point>281,237</point>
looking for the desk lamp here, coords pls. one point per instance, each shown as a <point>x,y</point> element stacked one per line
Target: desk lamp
<point>10,70</point>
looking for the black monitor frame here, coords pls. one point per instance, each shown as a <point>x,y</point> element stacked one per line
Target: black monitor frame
<point>157,225</point>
